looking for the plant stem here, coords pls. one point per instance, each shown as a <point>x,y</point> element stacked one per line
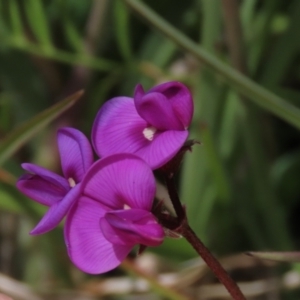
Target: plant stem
<point>212,263</point>
<point>175,198</point>
<point>185,230</point>
<point>60,55</point>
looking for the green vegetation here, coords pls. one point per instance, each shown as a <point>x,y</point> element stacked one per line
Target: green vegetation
<point>240,59</point>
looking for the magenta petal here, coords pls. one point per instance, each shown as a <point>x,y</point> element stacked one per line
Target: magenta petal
<point>118,128</point>
<point>43,189</point>
<point>57,212</point>
<point>48,175</point>
<point>164,147</point>
<point>157,110</point>
<point>180,98</point>
<point>120,179</point>
<point>131,227</point>
<point>75,153</point>
<point>88,249</point>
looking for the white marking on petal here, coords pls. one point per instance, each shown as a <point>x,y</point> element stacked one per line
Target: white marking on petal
<point>149,133</point>
<point>72,182</point>
<point>126,207</point>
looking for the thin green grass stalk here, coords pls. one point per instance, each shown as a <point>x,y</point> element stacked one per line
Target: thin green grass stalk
<point>262,26</point>
<point>247,12</point>
<point>16,138</point>
<point>15,19</point>
<point>259,95</point>
<point>155,52</point>
<point>196,169</point>
<point>216,167</point>
<point>72,35</point>
<point>252,135</point>
<point>164,53</point>
<point>265,199</point>
<point>61,55</point>
<point>229,133</point>
<point>37,19</point>
<point>230,138</point>
<point>100,95</point>
<point>284,52</point>
<point>122,30</point>
<point>204,214</point>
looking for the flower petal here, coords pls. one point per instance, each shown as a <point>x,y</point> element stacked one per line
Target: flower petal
<point>163,147</point>
<point>75,153</point>
<point>120,179</point>
<point>47,188</point>
<point>118,128</point>
<point>57,212</point>
<point>132,227</point>
<point>88,249</point>
<point>181,100</point>
<point>156,109</point>
<point>48,175</point>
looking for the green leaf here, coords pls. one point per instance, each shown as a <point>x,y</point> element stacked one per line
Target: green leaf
<point>15,18</point>
<point>72,35</point>
<point>12,142</point>
<point>38,22</point>
<point>216,167</point>
<point>58,54</point>
<point>122,29</point>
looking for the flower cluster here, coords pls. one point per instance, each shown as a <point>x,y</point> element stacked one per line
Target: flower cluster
<point>108,203</point>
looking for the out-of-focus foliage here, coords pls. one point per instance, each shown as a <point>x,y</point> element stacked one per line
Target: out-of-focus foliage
<point>241,186</point>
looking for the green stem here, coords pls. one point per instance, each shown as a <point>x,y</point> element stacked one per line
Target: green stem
<point>243,84</point>
<point>60,55</point>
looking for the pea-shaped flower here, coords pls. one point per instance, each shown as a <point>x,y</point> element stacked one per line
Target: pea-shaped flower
<point>113,214</point>
<point>53,190</point>
<point>152,125</point>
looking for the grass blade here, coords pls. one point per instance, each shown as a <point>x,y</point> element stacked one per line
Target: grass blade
<point>24,132</point>
<point>253,91</point>
<point>38,21</point>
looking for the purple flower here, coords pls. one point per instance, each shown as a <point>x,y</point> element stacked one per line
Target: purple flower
<point>112,214</point>
<point>55,191</point>
<point>153,125</point>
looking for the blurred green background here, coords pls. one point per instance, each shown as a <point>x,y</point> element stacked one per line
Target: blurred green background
<point>241,186</point>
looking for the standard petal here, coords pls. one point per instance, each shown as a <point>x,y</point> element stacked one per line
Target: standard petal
<point>120,180</point>
<point>163,148</point>
<point>40,189</point>
<point>131,227</point>
<point>181,100</point>
<point>75,153</point>
<point>88,249</point>
<point>57,212</point>
<point>118,128</point>
<point>157,110</point>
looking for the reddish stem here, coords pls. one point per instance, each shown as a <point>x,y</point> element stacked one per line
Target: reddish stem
<point>185,230</point>
<point>180,212</point>
<point>212,262</point>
